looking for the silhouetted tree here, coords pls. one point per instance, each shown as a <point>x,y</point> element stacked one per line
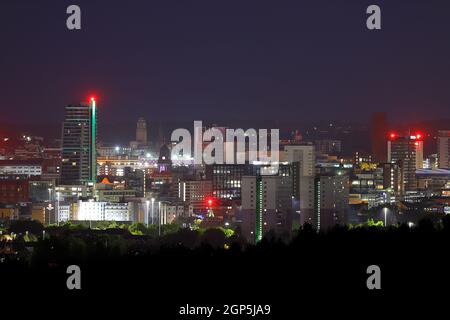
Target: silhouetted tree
<point>22,226</point>
<point>425,225</point>
<point>214,237</point>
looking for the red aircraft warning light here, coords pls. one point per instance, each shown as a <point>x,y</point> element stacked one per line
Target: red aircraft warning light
<point>392,135</point>
<point>210,202</point>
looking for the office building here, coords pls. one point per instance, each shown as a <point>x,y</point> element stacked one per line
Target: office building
<point>117,165</point>
<point>14,189</point>
<point>169,212</point>
<point>41,190</point>
<point>331,199</point>
<point>226,179</point>
<point>194,193</point>
<point>443,147</point>
<point>433,180</point>
<point>407,152</point>
<point>31,167</point>
<point>266,205</point>
<point>366,185</point>
<point>79,159</point>
<point>305,156</point>
<point>102,211</point>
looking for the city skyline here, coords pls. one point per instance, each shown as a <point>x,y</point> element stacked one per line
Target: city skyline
<point>281,156</point>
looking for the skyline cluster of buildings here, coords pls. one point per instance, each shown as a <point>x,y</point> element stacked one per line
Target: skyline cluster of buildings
<point>83,180</point>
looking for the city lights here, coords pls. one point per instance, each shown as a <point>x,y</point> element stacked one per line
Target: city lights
<point>241,150</point>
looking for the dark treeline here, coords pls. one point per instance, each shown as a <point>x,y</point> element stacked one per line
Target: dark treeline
<point>210,266</point>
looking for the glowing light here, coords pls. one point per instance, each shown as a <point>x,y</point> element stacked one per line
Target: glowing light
<point>392,135</point>
<point>210,202</point>
<point>416,143</point>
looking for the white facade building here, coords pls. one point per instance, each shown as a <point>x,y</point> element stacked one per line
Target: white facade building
<point>20,167</point>
<point>102,211</point>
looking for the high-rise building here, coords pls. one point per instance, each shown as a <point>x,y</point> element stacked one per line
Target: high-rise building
<point>443,146</point>
<point>331,199</point>
<point>304,155</point>
<point>379,133</point>
<point>266,205</point>
<point>141,132</point>
<point>79,157</point>
<point>407,152</point>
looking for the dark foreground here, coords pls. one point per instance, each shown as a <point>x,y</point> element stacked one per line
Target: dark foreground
<point>312,275</point>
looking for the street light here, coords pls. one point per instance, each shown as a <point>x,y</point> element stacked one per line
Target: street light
<point>146,212</point>
<point>385,216</point>
<point>57,207</point>
<point>49,201</point>
<point>159,218</point>
<point>153,202</point>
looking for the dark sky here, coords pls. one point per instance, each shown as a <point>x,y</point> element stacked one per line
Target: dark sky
<point>217,59</point>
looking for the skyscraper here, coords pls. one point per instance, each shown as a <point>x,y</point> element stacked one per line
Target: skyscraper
<point>79,160</point>
<point>266,205</point>
<point>443,146</point>
<point>407,152</point>
<point>378,133</point>
<point>305,156</point>
<point>141,132</point>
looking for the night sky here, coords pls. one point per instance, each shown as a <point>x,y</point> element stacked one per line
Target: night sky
<point>211,59</point>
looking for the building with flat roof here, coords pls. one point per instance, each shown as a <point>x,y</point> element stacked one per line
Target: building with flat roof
<point>407,152</point>
<point>443,149</point>
<point>79,152</point>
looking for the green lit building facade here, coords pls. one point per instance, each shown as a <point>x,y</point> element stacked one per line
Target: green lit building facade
<point>79,134</point>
